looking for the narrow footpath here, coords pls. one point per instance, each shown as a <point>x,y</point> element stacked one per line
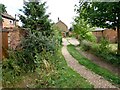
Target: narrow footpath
<point>94,79</point>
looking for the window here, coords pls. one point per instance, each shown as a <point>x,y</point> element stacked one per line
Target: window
<point>10,22</point>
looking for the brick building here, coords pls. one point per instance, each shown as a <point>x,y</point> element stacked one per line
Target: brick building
<point>62,27</point>
<point>8,21</point>
<point>10,39</point>
<point>9,34</point>
<point>109,34</point>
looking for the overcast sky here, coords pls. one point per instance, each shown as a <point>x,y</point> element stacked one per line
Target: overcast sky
<point>64,9</point>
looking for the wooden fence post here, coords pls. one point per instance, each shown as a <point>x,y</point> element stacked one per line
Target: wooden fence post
<point>4,43</point>
<point>0,40</point>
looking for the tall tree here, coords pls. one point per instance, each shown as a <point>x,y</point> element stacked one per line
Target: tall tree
<point>2,8</point>
<point>82,29</point>
<point>40,38</point>
<point>35,17</point>
<point>102,14</point>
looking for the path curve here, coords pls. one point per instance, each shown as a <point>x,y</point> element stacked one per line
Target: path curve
<point>94,79</point>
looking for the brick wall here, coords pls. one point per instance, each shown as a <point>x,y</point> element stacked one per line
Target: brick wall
<point>109,34</point>
<point>98,34</point>
<point>13,38</point>
<point>10,39</point>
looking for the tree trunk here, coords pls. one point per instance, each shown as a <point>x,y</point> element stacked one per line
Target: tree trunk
<point>118,34</point>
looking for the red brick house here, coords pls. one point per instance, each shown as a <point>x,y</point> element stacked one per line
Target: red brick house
<point>9,34</point>
<point>8,21</point>
<point>109,34</point>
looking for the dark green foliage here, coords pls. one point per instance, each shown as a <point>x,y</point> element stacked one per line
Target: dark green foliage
<point>86,45</point>
<point>51,72</point>
<point>37,42</point>
<point>10,71</point>
<point>62,76</point>
<point>32,46</point>
<point>102,14</point>
<point>37,46</point>
<point>104,46</point>
<point>102,50</point>
<point>35,18</point>
<point>21,62</point>
<point>97,13</point>
<point>2,8</point>
<point>41,36</point>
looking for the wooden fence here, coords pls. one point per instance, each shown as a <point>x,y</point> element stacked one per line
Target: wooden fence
<point>9,38</point>
<point>4,43</point>
<point>0,45</point>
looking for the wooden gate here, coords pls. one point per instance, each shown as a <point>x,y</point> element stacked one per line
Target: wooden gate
<point>3,44</point>
<point>0,45</point>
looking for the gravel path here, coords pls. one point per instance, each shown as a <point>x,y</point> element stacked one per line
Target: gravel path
<point>94,79</point>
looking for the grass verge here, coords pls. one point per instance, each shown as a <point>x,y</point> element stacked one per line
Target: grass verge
<point>68,77</point>
<point>115,79</point>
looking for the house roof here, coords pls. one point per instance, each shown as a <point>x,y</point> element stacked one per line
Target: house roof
<point>99,29</point>
<point>6,15</point>
<point>62,23</point>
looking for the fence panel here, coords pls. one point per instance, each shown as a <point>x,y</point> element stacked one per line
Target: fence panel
<point>4,44</point>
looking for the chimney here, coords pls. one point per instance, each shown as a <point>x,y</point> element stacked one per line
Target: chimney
<point>58,19</point>
<point>15,19</point>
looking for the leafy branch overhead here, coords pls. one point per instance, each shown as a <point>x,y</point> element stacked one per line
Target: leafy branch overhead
<point>102,14</point>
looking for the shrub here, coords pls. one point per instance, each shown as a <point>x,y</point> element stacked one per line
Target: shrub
<point>90,37</point>
<point>86,45</point>
<point>37,46</point>
<point>83,30</point>
<point>104,46</point>
<point>10,72</point>
<point>102,50</point>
